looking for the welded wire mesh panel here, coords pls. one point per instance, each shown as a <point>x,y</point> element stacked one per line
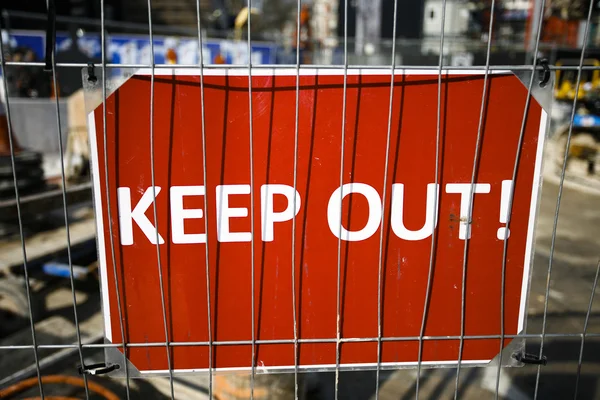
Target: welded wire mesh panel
<point>242,124</point>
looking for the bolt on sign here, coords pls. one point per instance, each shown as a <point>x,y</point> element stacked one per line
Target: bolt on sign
<point>336,214</point>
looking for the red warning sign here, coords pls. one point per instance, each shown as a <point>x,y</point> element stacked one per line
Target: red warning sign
<point>185,201</point>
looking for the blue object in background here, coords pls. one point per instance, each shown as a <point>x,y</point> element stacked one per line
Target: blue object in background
<point>63,270</point>
<point>586,121</point>
<point>135,49</point>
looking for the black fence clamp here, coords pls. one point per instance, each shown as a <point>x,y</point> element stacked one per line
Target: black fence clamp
<point>91,70</point>
<point>97,369</point>
<point>544,73</point>
<point>527,358</point>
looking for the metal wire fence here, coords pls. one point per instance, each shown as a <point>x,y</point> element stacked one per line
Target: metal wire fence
<point>542,337</point>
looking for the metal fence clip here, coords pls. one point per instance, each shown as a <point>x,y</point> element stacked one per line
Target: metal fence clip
<point>544,74</point>
<point>527,358</point>
<point>50,35</point>
<point>92,73</point>
<point>97,369</point>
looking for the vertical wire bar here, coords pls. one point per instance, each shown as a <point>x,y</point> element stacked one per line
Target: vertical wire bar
<point>251,138</point>
<point>585,328</point>
<point>208,302</point>
<point>511,198</point>
<point>294,305</point>
<point>68,232</point>
<point>384,197</point>
<point>471,195</point>
<point>559,196</point>
<point>19,217</point>
<point>108,202</point>
<point>339,247</point>
<point>435,204</point>
<point>152,175</point>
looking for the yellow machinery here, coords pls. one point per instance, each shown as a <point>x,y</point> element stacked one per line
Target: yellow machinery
<point>584,145</point>
<point>566,80</point>
<point>241,19</point>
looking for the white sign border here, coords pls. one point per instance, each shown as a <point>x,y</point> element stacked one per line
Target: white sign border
<point>97,188</point>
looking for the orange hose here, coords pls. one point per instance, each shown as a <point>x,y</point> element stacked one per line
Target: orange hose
<point>57,379</point>
<point>52,398</point>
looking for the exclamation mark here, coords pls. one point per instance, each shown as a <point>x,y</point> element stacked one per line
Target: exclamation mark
<point>504,199</point>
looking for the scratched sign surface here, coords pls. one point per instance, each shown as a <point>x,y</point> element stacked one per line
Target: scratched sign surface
<point>338,225</point>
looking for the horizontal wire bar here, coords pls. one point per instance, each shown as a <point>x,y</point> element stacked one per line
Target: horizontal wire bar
<point>46,362</point>
<point>310,66</point>
<point>308,341</point>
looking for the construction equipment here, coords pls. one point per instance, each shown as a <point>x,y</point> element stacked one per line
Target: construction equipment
<point>29,177</point>
<point>584,145</point>
<point>242,19</point>
<point>566,79</point>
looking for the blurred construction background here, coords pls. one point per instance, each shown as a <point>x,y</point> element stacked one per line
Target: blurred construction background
<point>323,29</point>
